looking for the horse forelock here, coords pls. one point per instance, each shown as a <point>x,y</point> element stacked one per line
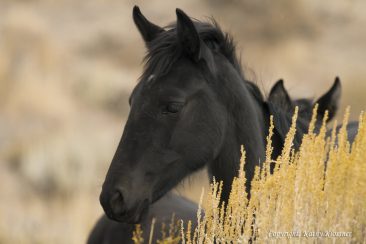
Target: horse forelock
<point>164,51</point>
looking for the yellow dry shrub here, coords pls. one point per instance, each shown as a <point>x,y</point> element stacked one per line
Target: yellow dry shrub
<point>315,195</point>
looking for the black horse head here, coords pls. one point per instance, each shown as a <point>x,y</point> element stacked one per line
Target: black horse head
<point>176,122</point>
<point>191,107</point>
<point>329,101</point>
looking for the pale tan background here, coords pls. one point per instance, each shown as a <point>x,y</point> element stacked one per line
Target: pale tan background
<point>67,67</point>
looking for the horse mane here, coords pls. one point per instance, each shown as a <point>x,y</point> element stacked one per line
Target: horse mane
<point>164,51</point>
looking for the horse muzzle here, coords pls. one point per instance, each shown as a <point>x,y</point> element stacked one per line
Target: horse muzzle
<point>117,208</point>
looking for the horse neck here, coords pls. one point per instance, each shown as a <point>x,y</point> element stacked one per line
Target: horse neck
<point>246,126</point>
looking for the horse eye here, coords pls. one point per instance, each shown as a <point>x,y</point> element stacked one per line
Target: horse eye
<point>172,108</point>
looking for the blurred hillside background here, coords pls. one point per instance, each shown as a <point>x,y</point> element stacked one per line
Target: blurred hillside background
<point>67,68</point>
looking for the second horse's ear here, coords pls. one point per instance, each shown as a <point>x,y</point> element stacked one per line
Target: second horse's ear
<point>147,29</point>
<point>279,96</point>
<point>191,43</point>
<point>330,100</point>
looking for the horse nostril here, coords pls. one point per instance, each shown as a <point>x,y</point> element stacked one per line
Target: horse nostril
<point>117,203</point>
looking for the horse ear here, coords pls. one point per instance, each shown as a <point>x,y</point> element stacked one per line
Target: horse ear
<point>330,100</point>
<point>191,42</point>
<point>188,35</point>
<point>147,29</point>
<point>279,96</point>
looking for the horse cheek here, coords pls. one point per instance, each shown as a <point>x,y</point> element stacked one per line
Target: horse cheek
<point>197,137</point>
